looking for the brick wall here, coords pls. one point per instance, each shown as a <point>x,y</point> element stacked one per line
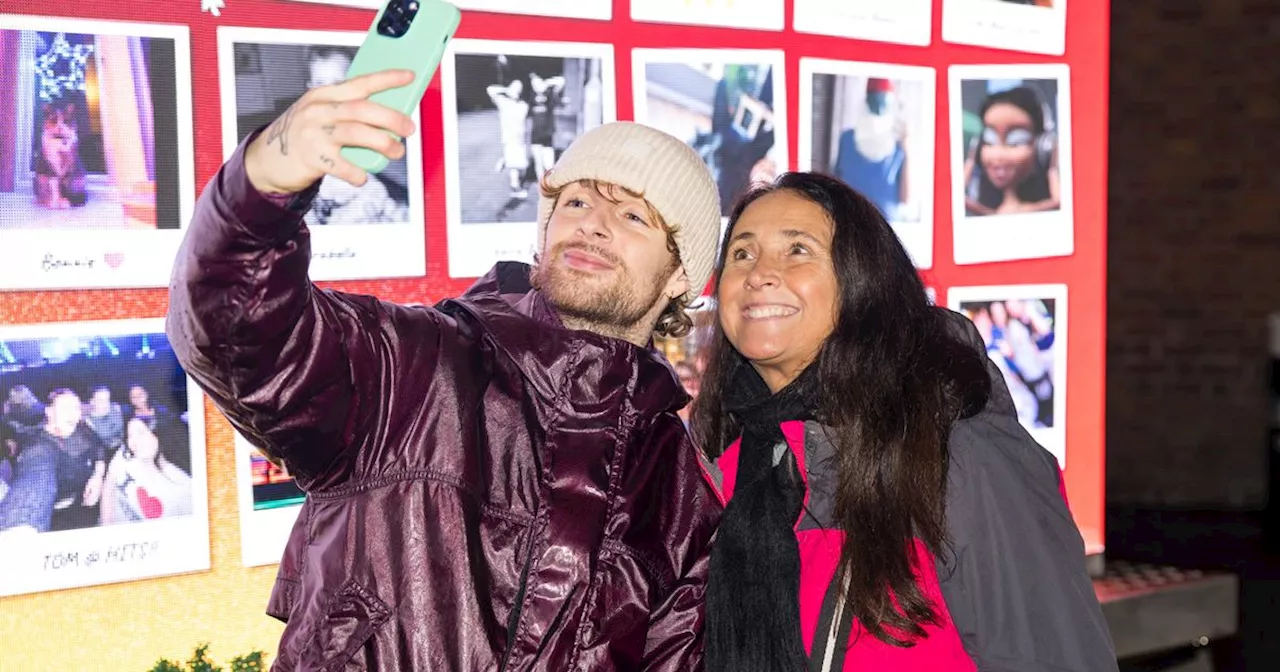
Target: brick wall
<point>1194,259</point>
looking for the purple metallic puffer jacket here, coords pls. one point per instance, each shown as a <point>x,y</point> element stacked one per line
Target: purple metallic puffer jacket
<point>486,489</point>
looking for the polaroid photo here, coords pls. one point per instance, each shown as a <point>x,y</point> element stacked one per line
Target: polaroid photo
<point>269,505</point>
<point>753,14</point>
<point>510,111</point>
<point>1025,330</point>
<point>1033,26</point>
<point>102,457</point>
<point>97,173</point>
<point>899,21</point>
<point>872,125</point>
<point>374,231</point>
<point>1011,168</point>
<point>729,105</point>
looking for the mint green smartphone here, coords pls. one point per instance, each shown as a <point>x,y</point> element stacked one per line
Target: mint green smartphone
<point>405,35</point>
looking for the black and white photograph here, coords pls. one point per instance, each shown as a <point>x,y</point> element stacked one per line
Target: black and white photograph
<point>269,504</point>
<point>510,111</point>
<point>96,157</point>
<point>102,457</point>
<point>729,105</point>
<point>751,14</point>
<point>1032,26</point>
<point>373,231</point>
<point>872,126</point>
<point>1011,162</point>
<point>1025,330</point>
<point>898,21</point>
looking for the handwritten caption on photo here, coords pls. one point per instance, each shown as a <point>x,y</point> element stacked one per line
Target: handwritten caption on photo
<point>116,554</point>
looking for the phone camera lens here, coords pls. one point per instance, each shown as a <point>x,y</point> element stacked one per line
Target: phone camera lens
<point>397,17</point>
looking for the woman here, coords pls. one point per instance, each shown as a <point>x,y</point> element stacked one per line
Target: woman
<point>1013,166</point>
<point>141,483</point>
<point>880,485</point>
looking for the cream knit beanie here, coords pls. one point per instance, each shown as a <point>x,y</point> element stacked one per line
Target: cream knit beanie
<point>670,175</point>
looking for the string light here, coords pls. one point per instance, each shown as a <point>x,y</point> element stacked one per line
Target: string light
<point>62,68</point>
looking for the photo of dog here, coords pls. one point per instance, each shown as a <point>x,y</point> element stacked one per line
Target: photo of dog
<point>59,172</point>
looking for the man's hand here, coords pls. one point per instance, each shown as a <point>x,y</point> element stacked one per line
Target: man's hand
<point>93,490</point>
<point>302,145</point>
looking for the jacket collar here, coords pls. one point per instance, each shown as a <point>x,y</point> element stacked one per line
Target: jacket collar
<point>581,367</point>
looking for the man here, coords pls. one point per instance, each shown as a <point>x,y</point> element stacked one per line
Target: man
<point>105,417</point>
<point>872,156</point>
<point>59,466</point>
<point>497,483</point>
<point>81,455</point>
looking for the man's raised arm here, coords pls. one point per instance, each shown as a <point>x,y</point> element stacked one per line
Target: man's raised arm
<point>298,370</point>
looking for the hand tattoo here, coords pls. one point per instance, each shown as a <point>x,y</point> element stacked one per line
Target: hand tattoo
<point>328,129</point>
<point>279,131</point>
<point>326,161</point>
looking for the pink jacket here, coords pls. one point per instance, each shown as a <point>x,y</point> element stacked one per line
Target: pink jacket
<point>1012,590</point>
<point>942,651</point>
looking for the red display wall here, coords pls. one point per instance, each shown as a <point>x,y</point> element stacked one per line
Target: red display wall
<point>1049,267</point>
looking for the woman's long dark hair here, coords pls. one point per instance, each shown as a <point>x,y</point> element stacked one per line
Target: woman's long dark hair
<point>892,381</point>
<point>1036,186</point>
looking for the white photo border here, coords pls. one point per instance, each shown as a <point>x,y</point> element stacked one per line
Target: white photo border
<point>756,15</point>
<point>475,247</point>
<point>107,258</point>
<point>897,21</point>
<point>263,534</point>
<point>918,236</point>
<point>1039,235</point>
<point>354,252</point>
<point>144,550</point>
<point>1053,439</point>
<point>1008,26</point>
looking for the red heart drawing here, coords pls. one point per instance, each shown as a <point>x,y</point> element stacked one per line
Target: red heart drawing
<point>113,259</point>
<point>151,507</point>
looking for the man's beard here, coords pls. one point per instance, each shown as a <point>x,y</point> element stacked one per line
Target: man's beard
<point>873,134</point>
<point>614,306</point>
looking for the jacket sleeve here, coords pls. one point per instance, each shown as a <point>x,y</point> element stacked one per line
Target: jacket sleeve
<point>676,626</point>
<point>1016,587</point>
<point>304,374</point>
<point>675,639</point>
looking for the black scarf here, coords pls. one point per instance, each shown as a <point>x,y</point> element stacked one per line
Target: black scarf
<point>753,589</point>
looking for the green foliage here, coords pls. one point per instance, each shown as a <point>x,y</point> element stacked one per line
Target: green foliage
<point>201,662</point>
<point>253,662</point>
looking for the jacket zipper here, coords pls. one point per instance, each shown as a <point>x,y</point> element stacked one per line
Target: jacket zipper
<point>513,620</point>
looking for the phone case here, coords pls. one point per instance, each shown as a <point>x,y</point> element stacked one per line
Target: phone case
<point>419,49</point>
